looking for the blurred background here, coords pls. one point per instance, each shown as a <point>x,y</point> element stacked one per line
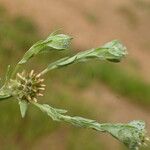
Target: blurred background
<point>97,90</point>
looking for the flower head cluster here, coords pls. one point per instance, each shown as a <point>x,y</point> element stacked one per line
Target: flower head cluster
<point>27,86</point>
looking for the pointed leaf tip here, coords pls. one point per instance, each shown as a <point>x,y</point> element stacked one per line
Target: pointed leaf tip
<point>23,107</point>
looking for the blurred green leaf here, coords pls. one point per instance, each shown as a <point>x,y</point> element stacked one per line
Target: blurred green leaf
<point>4,93</point>
<point>2,97</point>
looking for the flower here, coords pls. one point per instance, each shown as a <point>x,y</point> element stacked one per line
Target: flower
<point>27,86</point>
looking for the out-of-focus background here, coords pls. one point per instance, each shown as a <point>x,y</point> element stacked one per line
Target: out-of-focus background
<point>102,91</point>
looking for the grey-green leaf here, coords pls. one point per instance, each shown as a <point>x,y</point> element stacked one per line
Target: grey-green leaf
<point>23,107</point>
<point>132,134</point>
<point>112,51</point>
<point>59,42</point>
<point>115,51</point>
<point>52,112</point>
<point>53,42</point>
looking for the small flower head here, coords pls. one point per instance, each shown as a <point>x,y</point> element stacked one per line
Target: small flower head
<point>27,86</point>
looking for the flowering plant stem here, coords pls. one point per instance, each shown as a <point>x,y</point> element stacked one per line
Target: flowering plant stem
<point>26,87</point>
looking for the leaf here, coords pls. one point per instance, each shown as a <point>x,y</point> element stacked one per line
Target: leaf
<point>52,112</point>
<point>115,51</point>
<point>2,97</point>
<point>112,51</point>
<point>4,93</point>
<point>82,122</point>
<point>53,42</point>
<point>131,134</point>
<point>23,107</point>
<point>8,74</point>
<point>59,42</point>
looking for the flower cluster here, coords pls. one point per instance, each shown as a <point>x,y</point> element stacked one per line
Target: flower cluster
<point>27,86</point>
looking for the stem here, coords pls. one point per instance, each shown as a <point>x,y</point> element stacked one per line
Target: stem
<point>43,72</point>
<point>47,70</point>
<point>15,70</point>
<point>54,65</point>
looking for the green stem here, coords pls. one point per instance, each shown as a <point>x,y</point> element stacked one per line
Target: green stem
<point>47,70</point>
<point>54,65</point>
<point>15,70</point>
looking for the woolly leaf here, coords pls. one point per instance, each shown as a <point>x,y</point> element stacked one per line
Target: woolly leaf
<point>54,113</point>
<point>113,51</point>
<point>53,42</point>
<point>131,134</point>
